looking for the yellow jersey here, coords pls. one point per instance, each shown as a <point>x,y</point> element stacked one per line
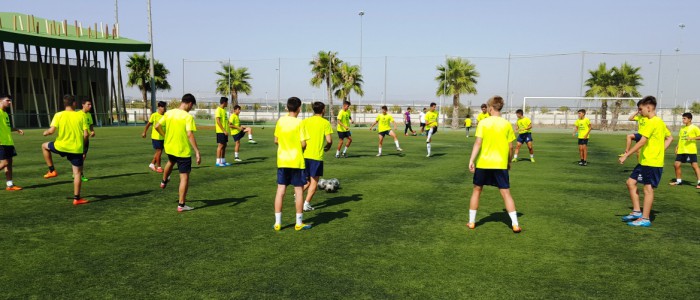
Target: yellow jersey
<point>468,122</point>
<point>235,121</point>
<point>523,123</point>
<point>482,116</point>
<point>652,153</point>
<point>316,129</point>
<point>290,133</point>
<point>71,126</point>
<point>385,122</point>
<point>5,129</point>
<point>686,146</point>
<point>155,117</point>
<point>431,119</point>
<point>177,123</point>
<point>88,117</point>
<point>496,135</point>
<point>343,118</point>
<point>222,116</point>
<point>583,126</point>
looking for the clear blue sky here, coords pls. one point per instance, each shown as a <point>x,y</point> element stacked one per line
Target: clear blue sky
<point>414,35</point>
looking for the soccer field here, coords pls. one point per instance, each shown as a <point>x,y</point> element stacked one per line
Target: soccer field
<point>395,229</point>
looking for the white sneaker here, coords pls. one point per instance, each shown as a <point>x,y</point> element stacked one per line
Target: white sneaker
<point>237,159</point>
<point>152,167</point>
<point>379,154</point>
<point>184,208</point>
<point>399,149</point>
<point>427,155</point>
<point>308,207</point>
<point>252,142</point>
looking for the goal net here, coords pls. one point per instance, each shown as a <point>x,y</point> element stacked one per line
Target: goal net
<point>562,111</point>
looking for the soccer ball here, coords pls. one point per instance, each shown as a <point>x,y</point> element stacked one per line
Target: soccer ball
<point>329,185</point>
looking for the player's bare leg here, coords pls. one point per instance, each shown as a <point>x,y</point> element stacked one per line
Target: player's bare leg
<point>634,193</point>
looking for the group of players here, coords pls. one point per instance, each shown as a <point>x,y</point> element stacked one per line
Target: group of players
<point>302,143</point>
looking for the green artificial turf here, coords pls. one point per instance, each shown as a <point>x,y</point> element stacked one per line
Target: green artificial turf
<point>395,229</point>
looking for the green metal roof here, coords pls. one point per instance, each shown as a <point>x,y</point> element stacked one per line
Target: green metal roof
<point>11,31</point>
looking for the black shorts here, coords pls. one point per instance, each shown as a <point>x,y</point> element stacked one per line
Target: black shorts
<point>344,134</point>
<point>583,141</point>
<point>432,130</point>
<point>238,136</point>
<point>221,138</point>
<point>637,137</point>
<point>313,167</point>
<point>86,145</point>
<point>495,177</point>
<point>184,164</point>
<point>647,175</point>
<point>287,176</point>
<point>524,138</point>
<point>687,158</point>
<point>75,159</point>
<point>422,124</point>
<point>7,152</point>
<point>385,133</point>
<point>158,144</point>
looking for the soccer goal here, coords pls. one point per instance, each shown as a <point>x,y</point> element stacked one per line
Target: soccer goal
<point>562,111</point>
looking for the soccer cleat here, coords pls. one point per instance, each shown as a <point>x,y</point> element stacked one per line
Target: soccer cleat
<point>302,226</point>
<point>50,174</point>
<point>252,142</point>
<point>13,188</point>
<point>674,182</point>
<point>159,170</point>
<point>184,208</point>
<point>164,183</point>
<point>345,155</point>
<point>152,167</point>
<point>698,186</point>
<point>517,229</point>
<point>80,201</point>
<point>471,225</point>
<point>227,164</point>
<point>641,222</point>
<point>237,159</point>
<point>399,149</point>
<point>585,163</point>
<point>84,179</point>
<point>277,227</point>
<point>379,154</point>
<point>308,207</point>
<point>337,156</point>
<point>515,159</point>
<point>580,163</point>
<point>532,159</point>
<point>220,165</point>
<point>427,155</point>
<point>632,216</point>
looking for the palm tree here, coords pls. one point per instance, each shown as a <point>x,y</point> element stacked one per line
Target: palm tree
<point>232,81</point>
<point>348,79</point>
<point>324,66</point>
<point>600,85</point>
<point>139,75</point>
<point>456,78</point>
<point>626,81</point>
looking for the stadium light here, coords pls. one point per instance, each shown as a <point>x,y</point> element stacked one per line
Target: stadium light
<point>678,65</point>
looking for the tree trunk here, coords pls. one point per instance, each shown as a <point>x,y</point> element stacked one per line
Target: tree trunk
<point>615,113</point>
<point>455,111</point>
<point>145,101</point>
<point>604,114</point>
<point>330,102</point>
<point>234,98</point>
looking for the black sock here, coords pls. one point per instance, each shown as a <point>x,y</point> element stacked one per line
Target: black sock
<point>51,169</point>
<point>181,204</point>
<point>76,197</point>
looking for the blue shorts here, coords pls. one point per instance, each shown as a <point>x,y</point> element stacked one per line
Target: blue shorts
<point>287,176</point>
<point>313,167</point>
<point>687,158</point>
<point>647,175</point>
<point>385,133</point>
<point>524,138</point>
<point>342,135</point>
<point>184,164</point>
<point>86,145</point>
<point>75,159</point>
<point>7,152</point>
<point>637,137</point>
<point>221,138</point>
<point>158,144</point>
<point>495,177</point>
<point>238,136</point>
<point>583,141</point>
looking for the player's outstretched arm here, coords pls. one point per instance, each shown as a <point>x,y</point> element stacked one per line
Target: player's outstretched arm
<point>145,129</point>
<point>49,131</point>
<point>634,149</point>
<point>475,152</point>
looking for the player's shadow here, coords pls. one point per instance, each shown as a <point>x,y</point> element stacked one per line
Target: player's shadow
<point>399,154</point>
<point>217,202</point>
<point>98,198</point>
<point>117,175</point>
<point>358,155</point>
<point>438,154</point>
<point>338,200</point>
<point>652,213</point>
<point>501,216</point>
<point>327,217</point>
<point>251,160</point>
<point>52,183</point>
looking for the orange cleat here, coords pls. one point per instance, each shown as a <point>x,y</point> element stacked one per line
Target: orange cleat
<point>50,174</point>
<point>471,225</point>
<point>517,229</point>
<point>13,188</point>
<point>159,170</point>
<point>80,201</point>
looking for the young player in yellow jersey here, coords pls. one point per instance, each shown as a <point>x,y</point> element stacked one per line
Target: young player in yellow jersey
<point>222,130</point>
<point>178,127</point>
<point>655,139</point>
<point>385,120</point>
<point>687,150</point>
<point>524,127</point>
<point>482,115</point>
<point>85,112</point>
<point>490,161</point>
<point>431,123</point>
<point>157,140</point>
<point>238,131</point>
<point>468,124</point>
<point>7,145</point>
<point>290,138</point>
<point>72,132</point>
<point>582,129</point>
<point>343,128</point>
<point>319,141</point>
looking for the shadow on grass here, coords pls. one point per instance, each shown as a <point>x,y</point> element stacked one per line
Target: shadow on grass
<point>339,200</point>
<point>327,217</point>
<point>652,213</point>
<point>217,202</point>
<point>117,175</point>
<point>438,154</point>
<point>501,216</point>
<point>52,183</point>
<point>251,160</point>
<point>115,197</point>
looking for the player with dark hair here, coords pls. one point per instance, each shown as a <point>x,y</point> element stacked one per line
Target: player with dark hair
<point>524,127</point>
<point>85,112</point>
<point>7,145</point>
<point>343,128</point>
<point>687,149</point>
<point>319,141</point>
<point>385,121</point>
<point>238,131</point>
<point>156,138</point>
<point>582,126</point>
<point>222,130</point>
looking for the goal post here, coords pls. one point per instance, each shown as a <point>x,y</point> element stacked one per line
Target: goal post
<point>562,111</point>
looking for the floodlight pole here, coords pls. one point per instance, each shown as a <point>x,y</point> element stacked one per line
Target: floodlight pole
<point>658,78</point>
<point>183,76</point>
<point>152,61</point>
<point>362,13</point>
<point>510,100</point>
<point>678,65</point>
<point>279,110</point>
